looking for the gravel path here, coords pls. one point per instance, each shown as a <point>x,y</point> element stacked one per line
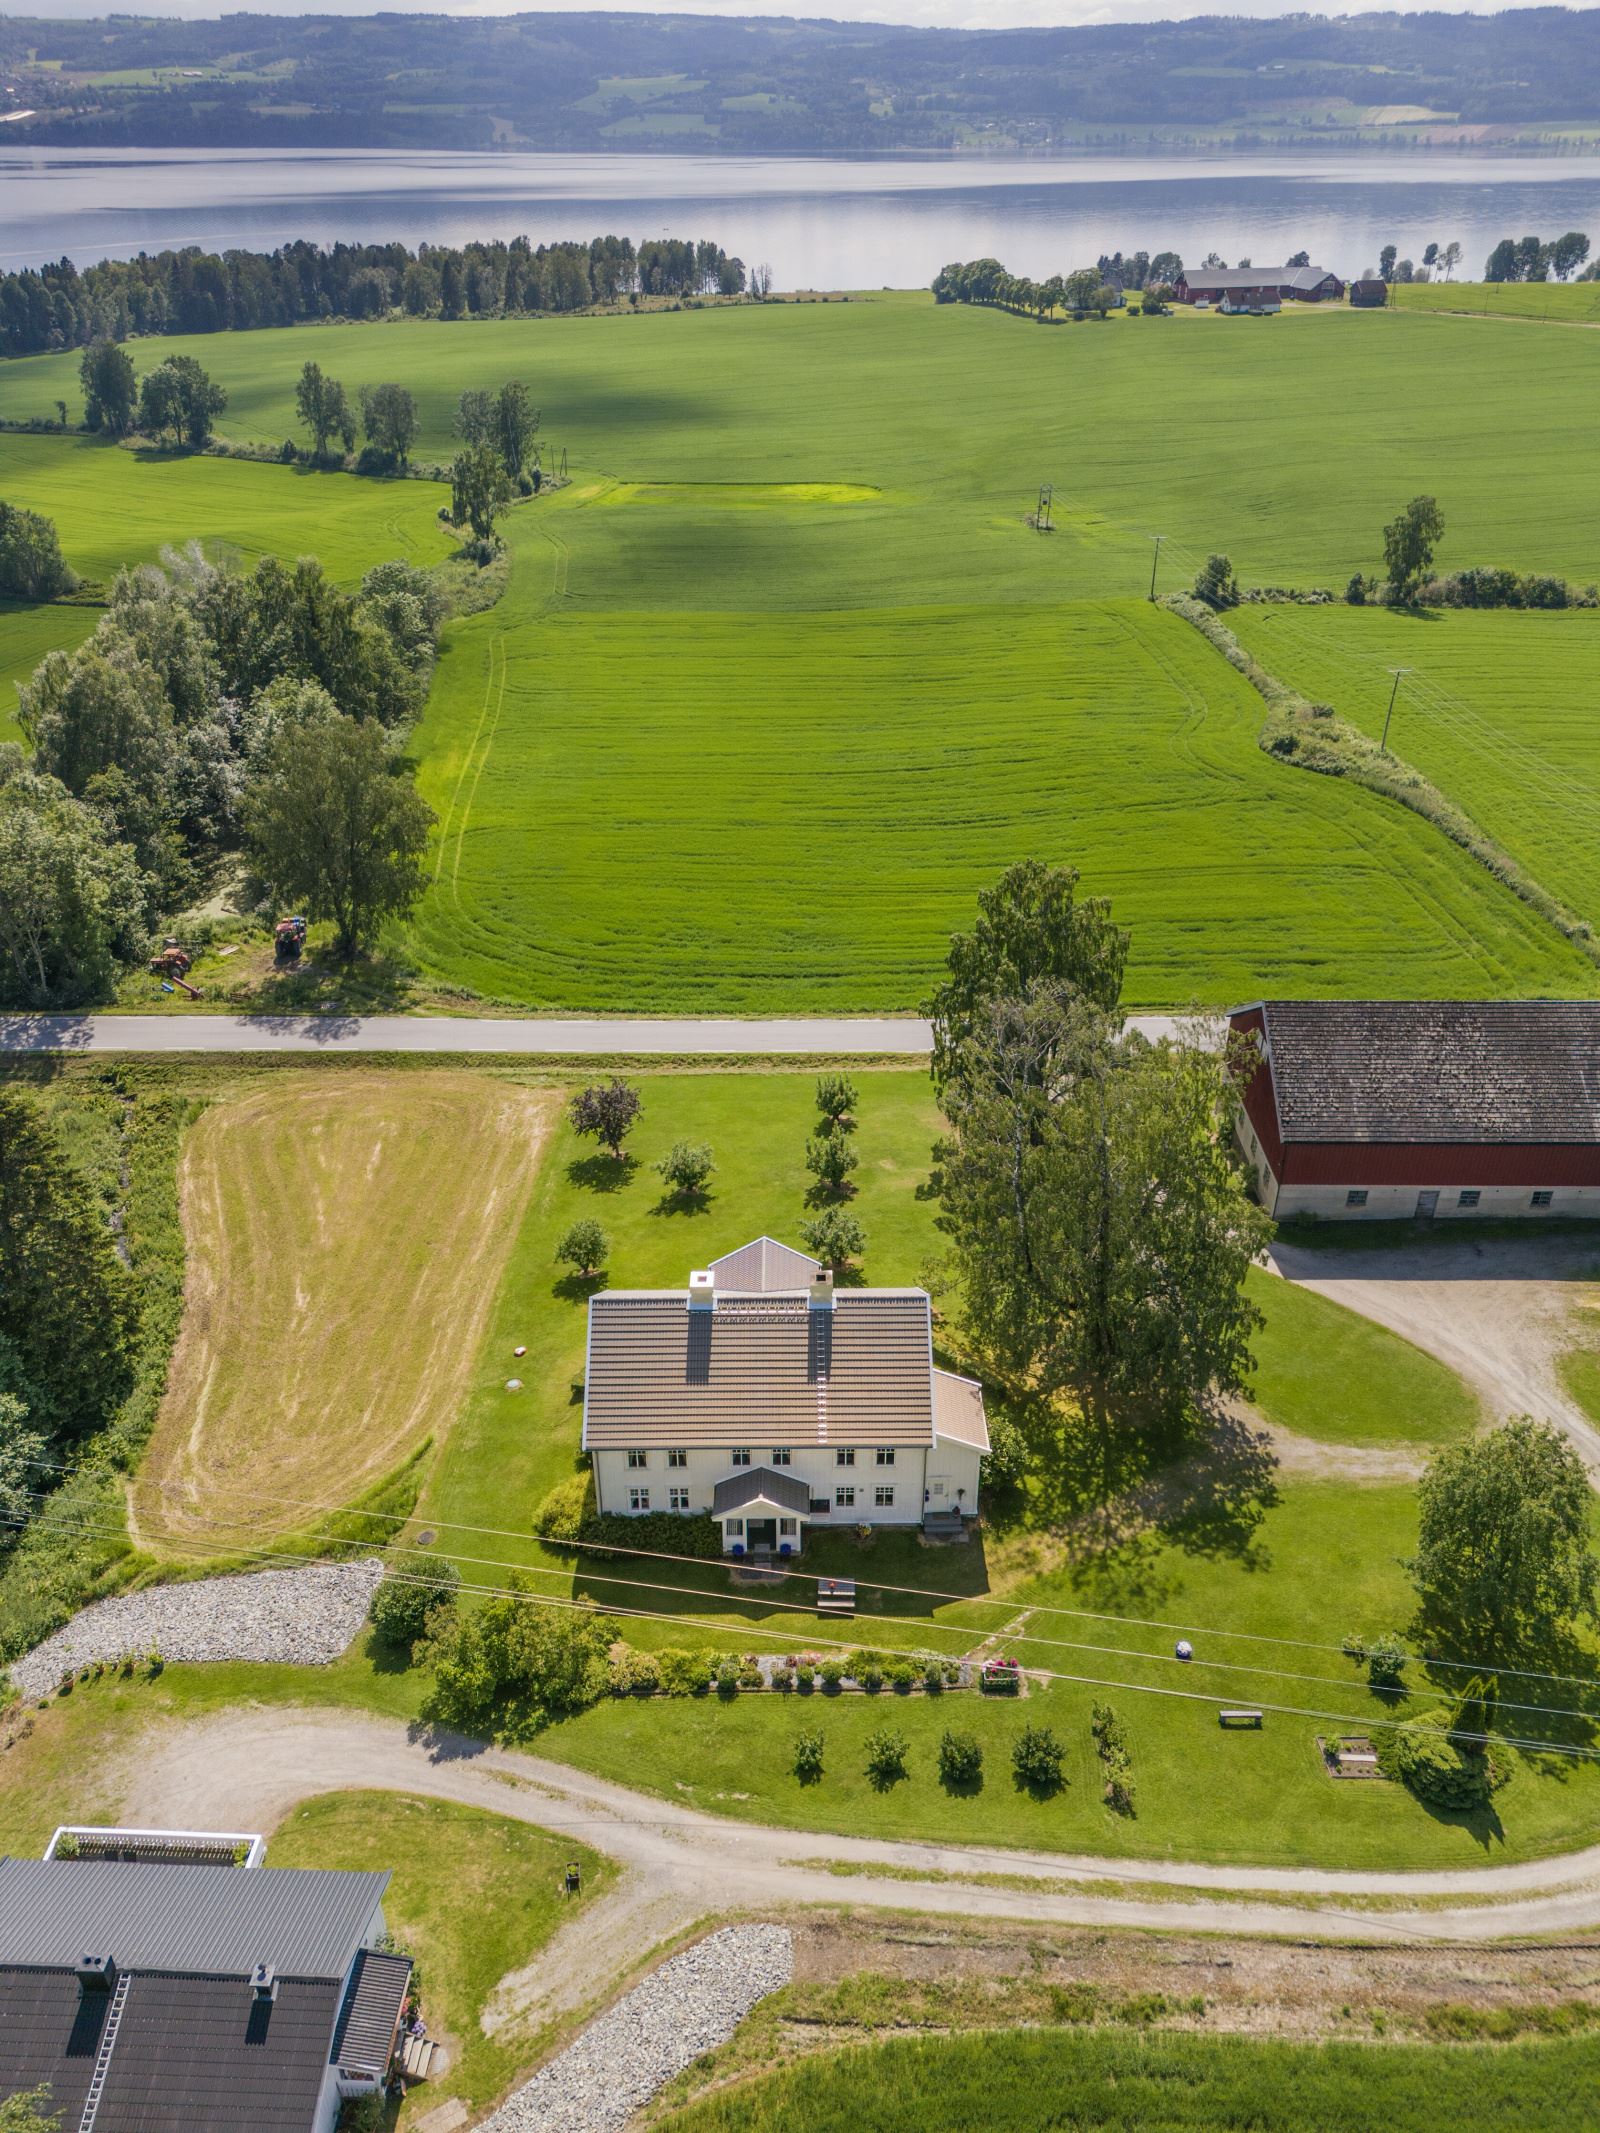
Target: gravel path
<point>690,2005</point>
<point>278,1617</point>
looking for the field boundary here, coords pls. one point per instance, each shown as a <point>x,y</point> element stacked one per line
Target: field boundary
<point>1313,737</point>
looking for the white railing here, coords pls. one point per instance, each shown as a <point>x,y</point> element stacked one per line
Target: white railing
<point>98,1838</point>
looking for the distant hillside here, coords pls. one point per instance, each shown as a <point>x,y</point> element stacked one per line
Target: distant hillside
<point>693,83</point>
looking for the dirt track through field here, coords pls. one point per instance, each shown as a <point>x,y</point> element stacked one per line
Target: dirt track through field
<point>345,1241</point>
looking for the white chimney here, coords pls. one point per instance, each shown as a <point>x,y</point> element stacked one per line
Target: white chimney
<point>702,1290</point>
<point>822,1289</point>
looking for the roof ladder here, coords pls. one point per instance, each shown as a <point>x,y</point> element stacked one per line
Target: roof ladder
<point>108,2044</point>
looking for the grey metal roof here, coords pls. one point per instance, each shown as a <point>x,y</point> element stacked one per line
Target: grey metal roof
<point>1441,1071</point>
<point>764,1268</point>
<point>217,1921</point>
<point>758,1370</point>
<point>758,1484</point>
<point>1255,277</point>
<point>371,2011</point>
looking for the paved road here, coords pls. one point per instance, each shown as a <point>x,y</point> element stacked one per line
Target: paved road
<point>246,1769</point>
<point>719,1036</point>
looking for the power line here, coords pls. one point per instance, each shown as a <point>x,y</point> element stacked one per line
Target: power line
<point>920,1592</point>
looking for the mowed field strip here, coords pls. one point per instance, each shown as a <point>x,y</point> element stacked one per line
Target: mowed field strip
<point>345,1241</point>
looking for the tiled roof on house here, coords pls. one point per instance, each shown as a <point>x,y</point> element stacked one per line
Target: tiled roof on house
<point>216,1920</point>
<point>1440,1071</point>
<point>764,1369</point>
<point>764,1268</point>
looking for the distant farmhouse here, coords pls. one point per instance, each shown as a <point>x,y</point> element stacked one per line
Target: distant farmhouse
<point>777,1401</point>
<point>1424,1107</point>
<point>155,1985</point>
<point>1257,288</point>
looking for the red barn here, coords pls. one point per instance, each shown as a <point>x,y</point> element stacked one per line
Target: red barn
<point>1424,1107</point>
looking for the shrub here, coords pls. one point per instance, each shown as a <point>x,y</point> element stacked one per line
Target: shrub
<point>634,1673</point>
<point>960,1762</point>
<point>886,1755</point>
<point>783,1678</point>
<point>900,1674</point>
<point>834,1237</point>
<point>400,1608</point>
<point>1111,1743</point>
<point>836,1099</point>
<point>561,1515</point>
<point>683,1673</point>
<point>584,1246</point>
<point>1386,1662</point>
<point>289,452</point>
<point>805,1675</point>
<point>1037,1758</point>
<point>830,1158</point>
<point>1355,1647</point>
<point>808,1754</point>
<point>510,1667</point>
<point>1423,1758</point>
<point>659,1532</point>
<point>832,1672</point>
<point>727,1682</point>
<point>933,1679</point>
<point>870,1678</point>
<point>751,1677</point>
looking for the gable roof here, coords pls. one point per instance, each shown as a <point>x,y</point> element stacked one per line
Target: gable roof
<point>760,1484</point>
<point>216,1921</point>
<point>758,1370</point>
<point>764,1268</point>
<point>1255,277</point>
<point>1440,1071</point>
<point>958,1415</point>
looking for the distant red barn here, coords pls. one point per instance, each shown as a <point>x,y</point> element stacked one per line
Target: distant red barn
<point>1424,1107</point>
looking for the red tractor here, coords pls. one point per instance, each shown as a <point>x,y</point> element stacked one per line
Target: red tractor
<point>288,940</point>
<point>172,967</point>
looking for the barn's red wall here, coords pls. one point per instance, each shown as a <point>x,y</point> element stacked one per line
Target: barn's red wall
<point>1448,1163</point>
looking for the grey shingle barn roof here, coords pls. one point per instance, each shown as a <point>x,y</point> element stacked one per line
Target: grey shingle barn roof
<point>1443,1071</point>
<point>759,1370</point>
<point>213,1920</point>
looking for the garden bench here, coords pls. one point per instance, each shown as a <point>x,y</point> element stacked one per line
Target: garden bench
<point>836,1596</point>
<point>1238,1718</point>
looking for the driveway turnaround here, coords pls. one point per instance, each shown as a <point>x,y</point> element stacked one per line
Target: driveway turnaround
<point>720,1037</point>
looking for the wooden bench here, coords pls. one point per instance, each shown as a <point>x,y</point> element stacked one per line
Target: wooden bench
<point>1238,1718</point>
<point>836,1596</point>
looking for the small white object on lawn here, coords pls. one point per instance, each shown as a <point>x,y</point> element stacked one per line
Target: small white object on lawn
<point>519,1351</point>
<point>1184,1649</point>
<point>513,1384</point>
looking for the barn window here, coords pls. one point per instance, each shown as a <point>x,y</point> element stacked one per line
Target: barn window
<point>1542,1199</point>
<point>1356,1197</point>
<point>1470,1198</point>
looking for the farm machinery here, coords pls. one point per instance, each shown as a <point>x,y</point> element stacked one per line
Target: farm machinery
<point>172,967</point>
<point>288,940</point>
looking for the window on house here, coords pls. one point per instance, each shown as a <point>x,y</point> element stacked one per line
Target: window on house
<point>787,1526</point>
<point>741,1458</point>
<point>638,1499</point>
<point>638,1458</point>
<point>844,1458</point>
<point>1470,1198</point>
<point>677,1458</point>
<point>1542,1199</point>
<point>1356,1198</point>
<point>733,1527</point>
<point>884,1499</point>
<point>886,1456</point>
<point>845,1498</point>
<point>677,1499</point>
<point>781,1458</point>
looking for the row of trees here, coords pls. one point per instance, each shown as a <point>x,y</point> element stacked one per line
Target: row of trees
<point>192,291</point>
<point>986,281</point>
<point>211,712</point>
<point>1530,259</point>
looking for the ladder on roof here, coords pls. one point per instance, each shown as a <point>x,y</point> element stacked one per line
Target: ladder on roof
<point>108,2043</point>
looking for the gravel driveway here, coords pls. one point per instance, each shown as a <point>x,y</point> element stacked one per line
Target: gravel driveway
<point>1499,1310</point>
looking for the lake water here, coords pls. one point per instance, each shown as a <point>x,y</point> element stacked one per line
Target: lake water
<point>818,222</point>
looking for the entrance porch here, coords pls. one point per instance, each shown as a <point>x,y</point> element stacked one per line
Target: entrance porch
<point>761,1512</point>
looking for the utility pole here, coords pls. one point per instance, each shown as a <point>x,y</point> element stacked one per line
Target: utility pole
<point>1154,560</point>
<point>1383,745</point>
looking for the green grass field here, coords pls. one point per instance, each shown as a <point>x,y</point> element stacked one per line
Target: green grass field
<point>473,1899</point>
<point>1564,303</point>
<point>1495,708</point>
<point>26,634</point>
<point>783,676</point>
<point>1059,2082</point>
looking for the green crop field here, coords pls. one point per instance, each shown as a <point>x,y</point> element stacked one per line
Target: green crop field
<point>1061,2082</point>
<point>1564,303</point>
<point>26,634</point>
<point>1496,707</point>
<point>784,676</point>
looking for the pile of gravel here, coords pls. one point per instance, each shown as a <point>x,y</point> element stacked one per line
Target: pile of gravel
<point>690,2005</point>
<point>303,1617</point>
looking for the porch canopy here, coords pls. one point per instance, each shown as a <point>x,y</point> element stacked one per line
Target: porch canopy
<point>760,1508</point>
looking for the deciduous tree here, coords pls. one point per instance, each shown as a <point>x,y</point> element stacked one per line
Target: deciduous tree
<point>606,1111</point>
<point>178,400</point>
<point>584,1246</point>
<point>1409,542</point>
<point>834,1237</point>
<point>31,564</point>
<point>686,1168</point>
<point>337,828</point>
<point>324,408</point>
<point>110,392</point>
<point>71,903</point>
<point>479,489</point>
<point>515,425</point>
<point>514,1664</point>
<point>389,421</point>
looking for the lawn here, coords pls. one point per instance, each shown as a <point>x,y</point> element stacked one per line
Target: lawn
<point>1055,2081</point>
<point>473,1899</point>
<point>1565,303</point>
<point>113,507</point>
<point>1495,708</point>
<point>344,1239</point>
<point>1345,1380</point>
<point>26,634</point>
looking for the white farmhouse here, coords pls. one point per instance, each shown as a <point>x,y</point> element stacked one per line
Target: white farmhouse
<point>774,1400</point>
